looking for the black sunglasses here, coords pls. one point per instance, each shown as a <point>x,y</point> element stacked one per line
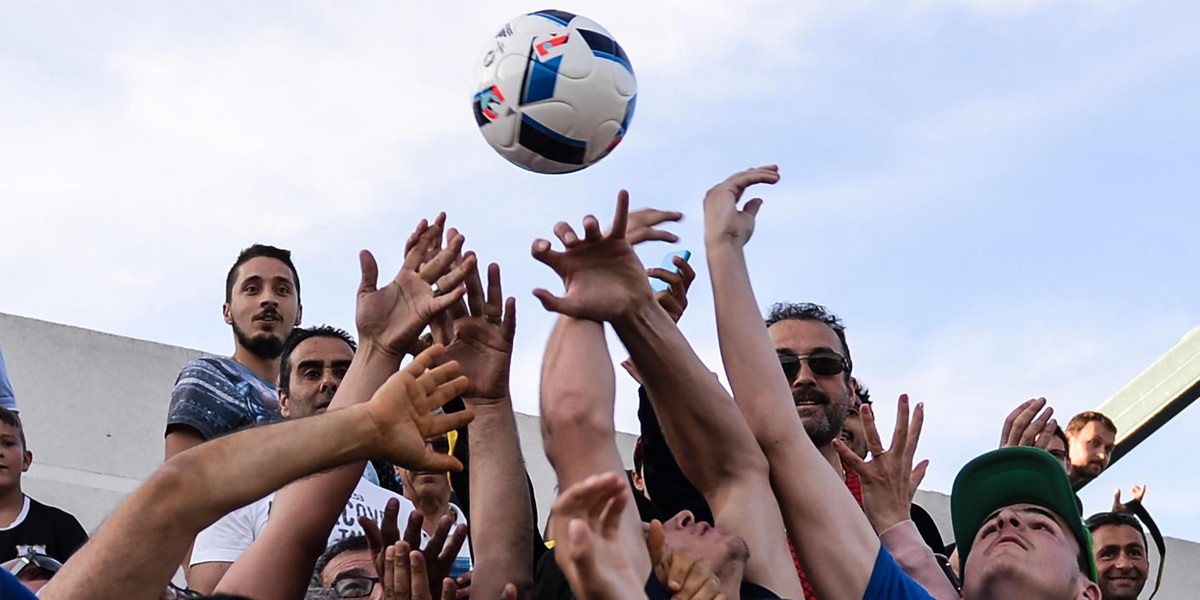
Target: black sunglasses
<point>822,362</point>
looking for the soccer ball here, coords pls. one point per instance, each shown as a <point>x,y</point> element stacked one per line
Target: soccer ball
<point>556,92</point>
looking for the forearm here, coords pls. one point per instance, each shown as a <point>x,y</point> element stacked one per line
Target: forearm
<point>577,409</point>
<point>303,513</point>
<point>134,554</point>
<point>746,350</point>
<point>577,395</point>
<point>501,517</point>
<point>692,407</point>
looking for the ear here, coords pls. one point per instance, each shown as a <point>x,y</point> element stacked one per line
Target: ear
<point>1091,591</point>
<point>299,313</point>
<point>853,389</point>
<point>225,313</point>
<point>284,409</point>
<point>27,460</point>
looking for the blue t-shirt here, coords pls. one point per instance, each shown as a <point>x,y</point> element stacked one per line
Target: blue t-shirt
<point>216,396</point>
<point>7,399</point>
<point>888,582</point>
<point>11,589</point>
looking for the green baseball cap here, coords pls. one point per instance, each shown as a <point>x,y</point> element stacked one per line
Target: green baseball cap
<point>1008,476</point>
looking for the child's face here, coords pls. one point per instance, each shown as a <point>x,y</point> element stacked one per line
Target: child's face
<point>14,459</point>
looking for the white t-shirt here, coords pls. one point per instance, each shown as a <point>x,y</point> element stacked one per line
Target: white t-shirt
<point>225,540</point>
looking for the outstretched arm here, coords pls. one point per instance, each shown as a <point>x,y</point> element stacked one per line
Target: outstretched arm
<point>605,281</point>
<point>819,511</point>
<point>501,515</point>
<point>578,389</point>
<point>135,553</point>
<point>279,563</point>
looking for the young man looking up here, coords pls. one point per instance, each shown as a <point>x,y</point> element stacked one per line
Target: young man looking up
<point>1092,437</point>
<point>214,396</point>
<point>25,523</point>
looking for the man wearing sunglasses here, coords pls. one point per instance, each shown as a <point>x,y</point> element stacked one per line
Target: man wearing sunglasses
<point>810,343</point>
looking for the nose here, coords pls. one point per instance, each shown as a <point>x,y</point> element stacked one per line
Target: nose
<point>1007,518</point>
<point>329,381</point>
<point>804,376</point>
<point>685,518</point>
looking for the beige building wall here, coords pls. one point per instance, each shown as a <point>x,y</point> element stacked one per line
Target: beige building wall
<point>94,407</point>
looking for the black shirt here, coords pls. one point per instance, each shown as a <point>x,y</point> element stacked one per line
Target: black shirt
<point>49,530</point>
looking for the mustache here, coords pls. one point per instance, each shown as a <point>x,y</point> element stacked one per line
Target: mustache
<point>269,312</point>
<point>810,394</point>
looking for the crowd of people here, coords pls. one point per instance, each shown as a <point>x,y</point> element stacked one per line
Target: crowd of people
<point>313,463</point>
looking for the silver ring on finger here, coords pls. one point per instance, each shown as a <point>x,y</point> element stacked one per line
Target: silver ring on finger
<point>437,291</point>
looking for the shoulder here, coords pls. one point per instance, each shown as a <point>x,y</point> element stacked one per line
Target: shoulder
<point>54,513</point>
<point>888,582</point>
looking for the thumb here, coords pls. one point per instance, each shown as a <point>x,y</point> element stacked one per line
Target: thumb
<point>370,271</point>
<point>752,206</point>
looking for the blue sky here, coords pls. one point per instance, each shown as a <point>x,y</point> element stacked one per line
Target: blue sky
<point>993,194</point>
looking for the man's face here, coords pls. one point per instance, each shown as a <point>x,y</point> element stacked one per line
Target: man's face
<point>263,306</point>
<point>1121,561</point>
<point>853,434</point>
<point>726,553</point>
<point>821,400</point>
<point>318,365</point>
<point>14,458</point>
<point>1028,547</point>
<point>30,576</point>
<point>427,484</point>
<point>351,568</point>
<point>1058,449</point>
<point>1091,449</point>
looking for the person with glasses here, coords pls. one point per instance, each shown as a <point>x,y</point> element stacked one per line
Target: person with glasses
<point>33,569</point>
<point>1122,560</point>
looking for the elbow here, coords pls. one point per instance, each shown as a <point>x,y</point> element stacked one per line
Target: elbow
<point>569,420</point>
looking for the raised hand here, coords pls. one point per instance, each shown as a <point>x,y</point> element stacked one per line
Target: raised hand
<point>405,576</point>
<point>688,577</point>
<point>640,227</point>
<point>1138,491</point>
<point>401,412</point>
<point>1025,427</point>
<point>586,522</point>
<point>722,219</point>
<point>483,338</point>
<point>674,298</point>
<point>392,317</point>
<point>889,479</point>
<point>604,279</point>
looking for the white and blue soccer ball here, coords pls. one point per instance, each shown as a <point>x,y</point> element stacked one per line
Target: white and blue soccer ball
<point>556,92</point>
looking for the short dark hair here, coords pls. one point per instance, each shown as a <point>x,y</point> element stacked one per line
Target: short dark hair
<point>255,251</point>
<point>808,311</point>
<point>864,394</point>
<point>299,334</point>
<point>1099,520</point>
<point>13,420</point>
<point>348,544</point>
<point>1079,421</point>
<point>1058,433</point>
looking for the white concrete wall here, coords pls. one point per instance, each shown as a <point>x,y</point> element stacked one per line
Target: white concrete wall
<point>94,407</point>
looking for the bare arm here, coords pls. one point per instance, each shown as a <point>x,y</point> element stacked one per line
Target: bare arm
<point>605,281</point>
<point>501,516</point>
<point>577,422</point>
<point>135,553</point>
<point>819,511</point>
<point>279,563</point>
